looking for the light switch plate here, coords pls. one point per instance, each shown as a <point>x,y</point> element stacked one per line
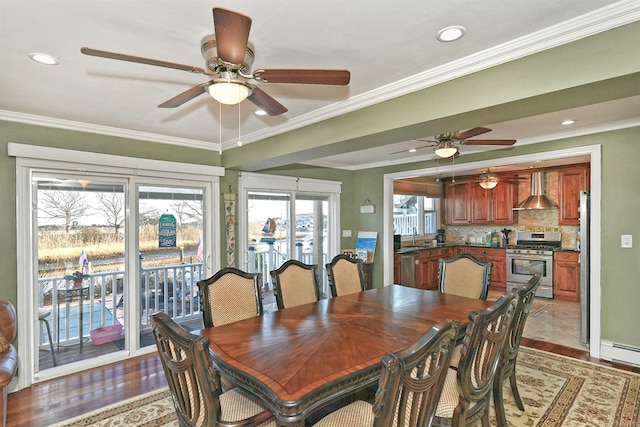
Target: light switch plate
<point>626,241</point>
<point>346,233</point>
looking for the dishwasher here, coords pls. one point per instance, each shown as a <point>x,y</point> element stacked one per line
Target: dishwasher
<point>409,269</point>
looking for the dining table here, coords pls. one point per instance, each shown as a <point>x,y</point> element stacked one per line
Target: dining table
<point>300,359</point>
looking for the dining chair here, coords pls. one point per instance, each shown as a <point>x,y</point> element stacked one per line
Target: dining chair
<point>507,362</point>
<point>346,275</point>
<point>295,283</point>
<point>230,295</point>
<point>466,394</point>
<point>195,383</point>
<point>464,275</point>
<point>409,387</point>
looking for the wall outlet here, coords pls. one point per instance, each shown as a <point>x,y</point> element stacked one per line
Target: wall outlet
<point>346,233</point>
<point>626,241</point>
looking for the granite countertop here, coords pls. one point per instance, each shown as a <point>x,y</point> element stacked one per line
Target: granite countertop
<point>409,249</point>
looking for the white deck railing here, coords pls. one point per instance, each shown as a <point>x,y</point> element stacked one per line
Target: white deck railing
<point>172,289</point>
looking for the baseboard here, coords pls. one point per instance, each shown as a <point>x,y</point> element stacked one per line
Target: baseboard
<point>622,353</point>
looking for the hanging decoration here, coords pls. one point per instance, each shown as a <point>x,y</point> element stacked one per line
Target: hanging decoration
<point>230,222</point>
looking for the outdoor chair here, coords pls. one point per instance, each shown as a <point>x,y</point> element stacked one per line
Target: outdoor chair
<point>466,395</point>
<point>43,313</point>
<point>195,383</point>
<point>409,387</point>
<point>346,275</point>
<point>507,362</point>
<point>464,275</point>
<point>230,295</point>
<point>295,283</point>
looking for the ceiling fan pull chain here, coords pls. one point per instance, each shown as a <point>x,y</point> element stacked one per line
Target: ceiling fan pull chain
<point>220,126</point>
<point>239,141</point>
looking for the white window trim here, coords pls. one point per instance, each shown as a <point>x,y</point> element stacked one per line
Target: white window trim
<point>32,157</point>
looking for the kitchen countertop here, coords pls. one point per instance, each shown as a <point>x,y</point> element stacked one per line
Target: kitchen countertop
<point>409,249</point>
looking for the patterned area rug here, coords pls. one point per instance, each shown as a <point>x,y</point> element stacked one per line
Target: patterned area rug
<point>557,391</point>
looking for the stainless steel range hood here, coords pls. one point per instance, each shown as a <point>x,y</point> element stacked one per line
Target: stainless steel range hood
<point>537,199</point>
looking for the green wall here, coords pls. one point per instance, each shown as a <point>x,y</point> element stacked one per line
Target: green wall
<point>620,203</point>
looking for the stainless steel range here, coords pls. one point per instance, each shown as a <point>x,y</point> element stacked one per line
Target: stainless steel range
<point>533,254</point>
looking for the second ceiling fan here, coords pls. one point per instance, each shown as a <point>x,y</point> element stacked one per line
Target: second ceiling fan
<point>228,57</point>
<point>445,145</point>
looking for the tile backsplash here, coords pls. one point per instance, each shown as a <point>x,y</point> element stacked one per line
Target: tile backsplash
<point>476,233</point>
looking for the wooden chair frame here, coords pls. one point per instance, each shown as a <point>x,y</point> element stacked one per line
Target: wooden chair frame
<point>507,364</point>
<point>193,380</point>
<point>284,286</point>
<point>446,263</point>
<point>412,379</point>
<point>338,288</point>
<point>207,306</point>
<point>482,347</point>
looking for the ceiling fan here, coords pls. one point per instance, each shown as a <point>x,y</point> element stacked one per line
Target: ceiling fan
<point>446,144</point>
<point>228,57</point>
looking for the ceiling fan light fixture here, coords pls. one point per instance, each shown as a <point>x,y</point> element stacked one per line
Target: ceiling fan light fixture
<point>446,150</point>
<point>489,183</point>
<point>229,92</point>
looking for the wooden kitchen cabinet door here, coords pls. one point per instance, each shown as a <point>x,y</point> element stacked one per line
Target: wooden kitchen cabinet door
<point>572,181</point>
<point>481,205</point>
<point>566,276</point>
<point>457,196</point>
<point>502,203</point>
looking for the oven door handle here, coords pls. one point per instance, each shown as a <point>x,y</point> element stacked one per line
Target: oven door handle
<point>533,257</point>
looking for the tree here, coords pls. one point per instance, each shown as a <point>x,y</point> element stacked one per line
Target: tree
<point>66,205</point>
<point>187,209</point>
<point>113,208</point>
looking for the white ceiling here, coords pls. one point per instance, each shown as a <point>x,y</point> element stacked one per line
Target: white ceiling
<point>389,47</point>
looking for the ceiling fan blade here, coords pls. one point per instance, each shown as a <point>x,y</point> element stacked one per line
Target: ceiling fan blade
<point>313,77</point>
<point>471,133</point>
<point>232,34</point>
<point>489,142</point>
<point>140,60</point>
<point>266,102</point>
<point>185,96</point>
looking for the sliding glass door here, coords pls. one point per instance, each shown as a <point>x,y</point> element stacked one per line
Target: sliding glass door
<point>101,247</point>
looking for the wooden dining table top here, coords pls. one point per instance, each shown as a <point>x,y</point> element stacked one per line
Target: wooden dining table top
<point>301,358</point>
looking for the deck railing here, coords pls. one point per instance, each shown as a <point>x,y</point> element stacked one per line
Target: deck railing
<point>172,289</point>
<point>264,261</point>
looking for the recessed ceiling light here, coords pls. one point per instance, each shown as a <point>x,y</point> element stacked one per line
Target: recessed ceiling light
<point>568,122</point>
<point>43,58</point>
<point>449,34</point>
<point>261,113</point>
<point>412,150</point>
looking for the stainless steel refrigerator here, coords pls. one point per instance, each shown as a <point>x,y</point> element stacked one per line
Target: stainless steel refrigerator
<point>583,247</point>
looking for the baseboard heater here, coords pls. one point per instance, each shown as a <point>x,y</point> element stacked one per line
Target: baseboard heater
<point>616,352</point>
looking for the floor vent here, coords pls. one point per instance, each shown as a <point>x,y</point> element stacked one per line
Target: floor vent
<point>622,353</point>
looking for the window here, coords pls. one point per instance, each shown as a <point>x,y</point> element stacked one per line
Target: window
<point>415,215</point>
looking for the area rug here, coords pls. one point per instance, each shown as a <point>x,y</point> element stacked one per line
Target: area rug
<point>557,391</point>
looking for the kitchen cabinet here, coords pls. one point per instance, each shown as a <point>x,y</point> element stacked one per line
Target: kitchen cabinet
<point>429,263</point>
<point>498,257</point>
<point>468,203</point>
<point>397,275</point>
<point>492,206</point>
<point>571,180</point>
<point>456,202</point>
<point>566,276</point>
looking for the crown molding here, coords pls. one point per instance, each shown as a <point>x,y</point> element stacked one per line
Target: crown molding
<point>52,122</point>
